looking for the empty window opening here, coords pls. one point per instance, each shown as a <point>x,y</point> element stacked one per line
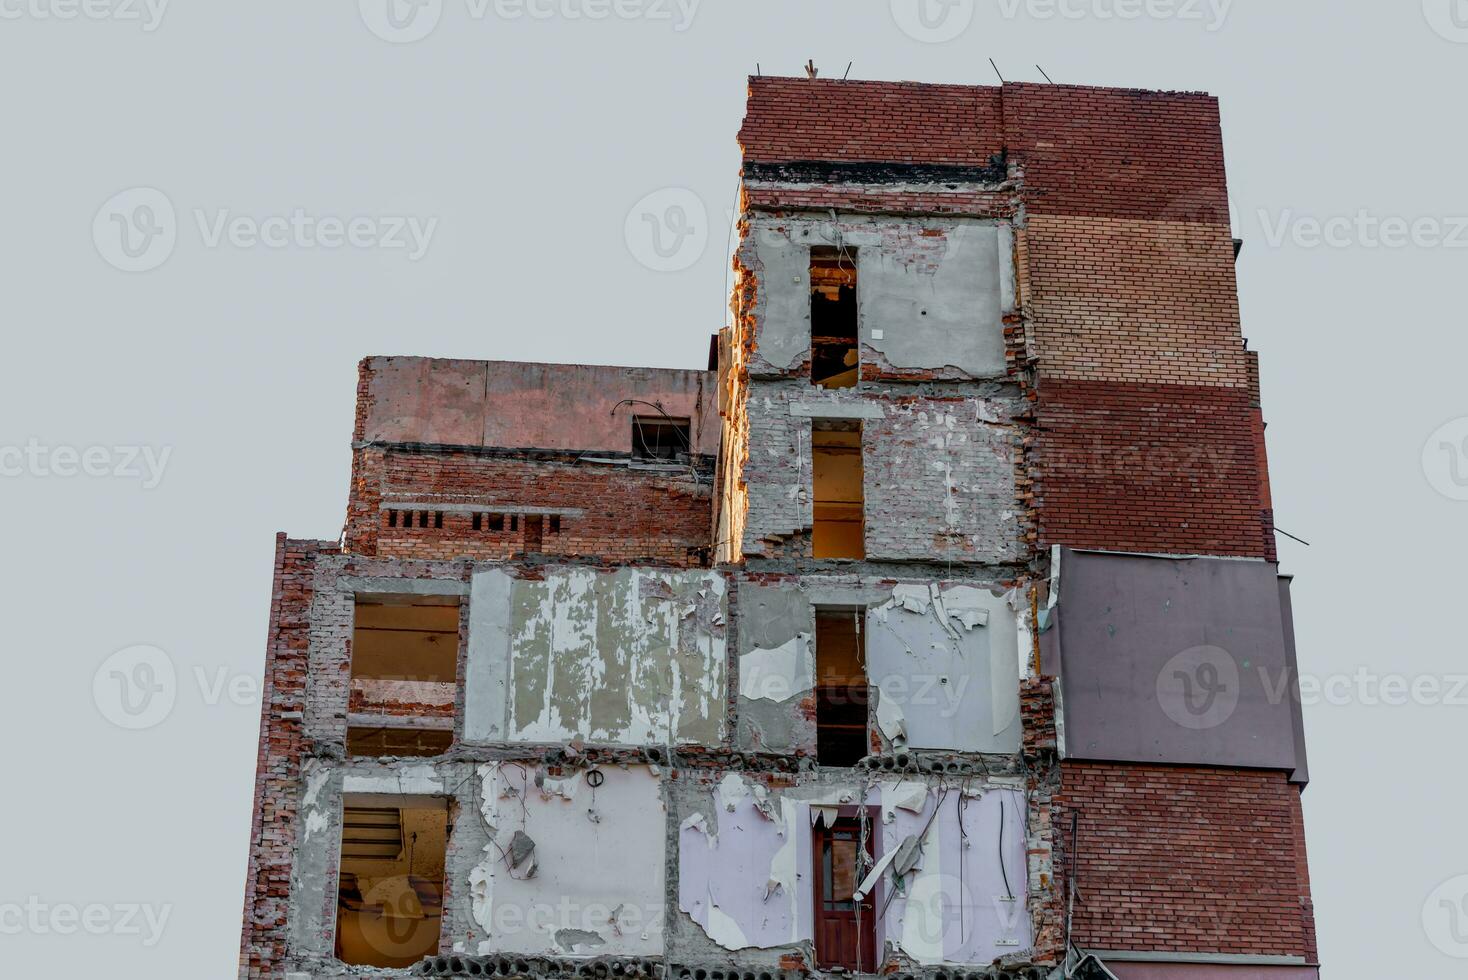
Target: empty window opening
<point>841,688</point>
<point>514,522</point>
<point>392,518</point>
<point>655,437</point>
<point>534,533</point>
<point>496,522</point>
<point>405,653</point>
<point>555,524</point>
<point>834,357</point>
<point>390,887</point>
<point>423,518</point>
<point>845,927</point>
<point>438,518</point>
<point>407,638</point>
<point>836,478</point>
<point>476,521</point>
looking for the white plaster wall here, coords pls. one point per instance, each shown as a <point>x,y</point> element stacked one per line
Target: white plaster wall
<point>597,883</point>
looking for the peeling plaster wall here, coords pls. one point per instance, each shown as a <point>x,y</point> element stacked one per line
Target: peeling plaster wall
<point>946,664</point>
<point>593,883</point>
<point>627,657</point>
<point>745,866</point>
<point>938,470</point>
<point>931,292</point>
<point>944,657</point>
<point>776,668</point>
<point>528,405</point>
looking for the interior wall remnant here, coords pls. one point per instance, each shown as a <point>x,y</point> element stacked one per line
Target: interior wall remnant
<point>932,294</point>
<point>575,863</point>
<point>776,668</point>
<point>937,473</point>
<point>631,656</point>
<point>745,875</point>
<point>1175,660</point>
<point>945,662</point>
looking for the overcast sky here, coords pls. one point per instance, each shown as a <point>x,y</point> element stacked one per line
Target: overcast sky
<point>203,369</point>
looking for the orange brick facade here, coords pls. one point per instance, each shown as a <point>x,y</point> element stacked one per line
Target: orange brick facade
<point>583,509</point>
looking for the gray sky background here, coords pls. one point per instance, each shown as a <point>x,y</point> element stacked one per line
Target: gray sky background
<point>530,140</point>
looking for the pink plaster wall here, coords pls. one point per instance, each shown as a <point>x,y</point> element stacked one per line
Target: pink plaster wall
<point>522,405</point>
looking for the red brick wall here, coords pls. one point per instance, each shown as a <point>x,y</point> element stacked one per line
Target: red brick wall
<point>278,764</point>
<point>860,121</point>
<point>1188,860</point>
<point>624,514</point>
<point>1149,467</point>
<point>1123,153</point>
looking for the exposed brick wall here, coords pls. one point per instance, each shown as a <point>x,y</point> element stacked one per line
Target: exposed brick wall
<point>278,763</point>
<point>1182,859</point>
<point>1124,153</point>
<point>860,199</point>
<point>1133,467</point>
<point>1144,301</point>
<point>901,122</point>
<point>605,511</point>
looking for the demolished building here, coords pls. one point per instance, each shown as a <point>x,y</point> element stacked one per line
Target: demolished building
<point>935,629</point>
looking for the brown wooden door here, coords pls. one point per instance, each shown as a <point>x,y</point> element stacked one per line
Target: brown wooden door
<point>840,940</point>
